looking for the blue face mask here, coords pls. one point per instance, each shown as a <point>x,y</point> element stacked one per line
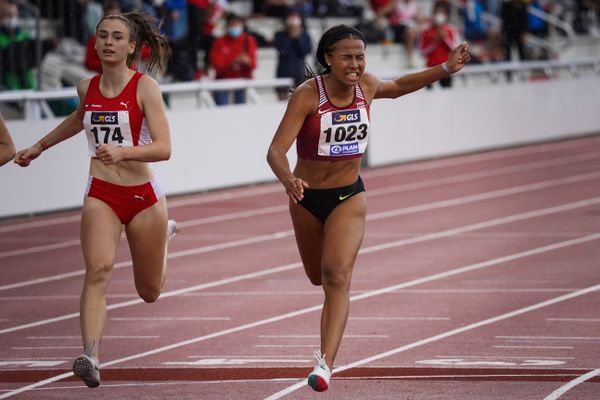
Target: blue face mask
<point>234,31</point>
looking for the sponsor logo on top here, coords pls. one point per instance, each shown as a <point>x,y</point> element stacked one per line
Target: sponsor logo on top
<point>105,117</point>
<point>343,149</point>
<point>346,117</point>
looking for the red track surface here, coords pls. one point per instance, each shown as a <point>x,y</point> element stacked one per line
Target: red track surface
<point>478,279</point>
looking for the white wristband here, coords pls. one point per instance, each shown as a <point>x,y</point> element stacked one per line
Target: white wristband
<point>445,68</point>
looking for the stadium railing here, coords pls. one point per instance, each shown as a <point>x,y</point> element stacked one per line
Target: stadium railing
<point>198,94</point>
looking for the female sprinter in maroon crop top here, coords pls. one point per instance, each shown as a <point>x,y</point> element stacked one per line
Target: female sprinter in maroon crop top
<point>329,118</point>
<point>125,123</point>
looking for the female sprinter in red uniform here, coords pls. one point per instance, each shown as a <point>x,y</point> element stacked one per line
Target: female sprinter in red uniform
<point>328,116</point>
<point>126,126</point>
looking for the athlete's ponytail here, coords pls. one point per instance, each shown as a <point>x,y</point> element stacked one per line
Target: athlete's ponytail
<point>143,30</point>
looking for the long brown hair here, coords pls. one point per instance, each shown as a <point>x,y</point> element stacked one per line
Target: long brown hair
<point>143,30</point>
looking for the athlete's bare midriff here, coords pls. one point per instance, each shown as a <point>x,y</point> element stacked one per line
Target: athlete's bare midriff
<point>125,173</point>
<point>327,174</point>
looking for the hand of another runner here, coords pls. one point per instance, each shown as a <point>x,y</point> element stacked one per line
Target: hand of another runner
<point>109,154</point>
<point>294,187</point>
<point>24,157</point>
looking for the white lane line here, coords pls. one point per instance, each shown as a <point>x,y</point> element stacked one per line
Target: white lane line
<point>370,217</point>
<point>465,159</point>
<point>318,336</point>
<point>510,357</point>
<point>399,318</point>
<point>478,175</point>
<point>445,335</point>
<point>550,337</point>
<point>377,172</point>
<point>366,250</point>
<point>534,347</point>
<point>314,345</point>
<point>565,388</point>
<point>303,311</point>
<point>170,318</point>
<point>45,347</point>
<point>109,337</point>
<point>376,192</point>
<point>574,319</point>
<point>172,255</point>
<point>38,249</point>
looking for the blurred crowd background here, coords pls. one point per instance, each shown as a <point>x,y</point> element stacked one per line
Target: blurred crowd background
<point>49,44</point>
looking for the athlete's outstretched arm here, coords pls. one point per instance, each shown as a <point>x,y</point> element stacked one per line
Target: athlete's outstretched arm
<point>71,125</point>
<point>7,147</point>
<point>153,108</point>
<point>412,82</point>
<point>299,106</point>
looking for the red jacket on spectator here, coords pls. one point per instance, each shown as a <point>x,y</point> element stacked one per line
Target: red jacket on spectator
<point>436,49</point>
<point>224,52</point>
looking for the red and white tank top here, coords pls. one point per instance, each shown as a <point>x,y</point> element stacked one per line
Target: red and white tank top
<point>333,133</point>
<point>118,120</point>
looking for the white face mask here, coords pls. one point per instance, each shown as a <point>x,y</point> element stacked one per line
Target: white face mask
<point>10,22</point>
<point>158,3</point>
<point>439,18</point>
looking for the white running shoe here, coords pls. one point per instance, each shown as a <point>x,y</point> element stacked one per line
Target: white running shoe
<point>171,229</point>
<point>88,369</point>
<point>319,377</point>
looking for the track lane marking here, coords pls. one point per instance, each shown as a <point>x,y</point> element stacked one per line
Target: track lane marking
<point>565,388</point>
<point>373,293</point>
<point>450,333</point>
<point>370,217</point>
<point>380,171</point>
<point>366,250</point>
<point>418,185</point>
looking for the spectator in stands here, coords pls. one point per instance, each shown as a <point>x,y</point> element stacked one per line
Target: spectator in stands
<point>203,15</point>
<point>16,51</point>
<point>7,147</point>
<point>585,12</point>
<point>293,45</point>
<point>281,8</point>
<point>176,29</point>
<point>404,21</point>
<point>438,40</point>
<point>92,61</point>
<point>477,31</point>
<point>537,27</point>
<point>233,56</point>
<point>92,14</point>
<point>513,14</point>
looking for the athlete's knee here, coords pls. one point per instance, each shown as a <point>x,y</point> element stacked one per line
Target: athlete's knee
<point>97,273</point>
<point>335,278</point>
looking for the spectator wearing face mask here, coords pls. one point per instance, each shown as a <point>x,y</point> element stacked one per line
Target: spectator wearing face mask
<point>16,51</point>
<point>293,44</point>
<point>438,40</point>
<point>233,56</point>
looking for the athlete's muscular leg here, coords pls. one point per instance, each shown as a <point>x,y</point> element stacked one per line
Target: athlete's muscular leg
<point>147,238</point>
<point>344,231</point>
<point>100,233</point>
<point>309,238</point>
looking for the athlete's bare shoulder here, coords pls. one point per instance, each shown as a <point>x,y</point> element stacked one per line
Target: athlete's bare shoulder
<point>369,84</point>
<point>82,87</point>
<point>305,97</point>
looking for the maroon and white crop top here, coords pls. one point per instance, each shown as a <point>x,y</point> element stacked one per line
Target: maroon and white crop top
<point>333,133</point>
